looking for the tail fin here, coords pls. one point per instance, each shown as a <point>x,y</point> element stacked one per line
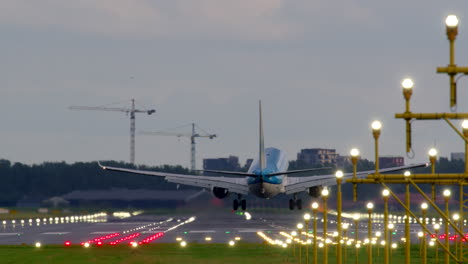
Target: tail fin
<point>261,157</point>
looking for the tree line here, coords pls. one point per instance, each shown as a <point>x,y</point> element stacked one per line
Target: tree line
<point>19,181</point>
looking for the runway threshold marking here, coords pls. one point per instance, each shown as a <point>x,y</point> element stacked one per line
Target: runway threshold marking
<point>202,231</point>
<point>55,233</point>
<point>249,231</point>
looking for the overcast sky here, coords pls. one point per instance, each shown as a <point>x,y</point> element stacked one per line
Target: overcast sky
<point>324,70</point>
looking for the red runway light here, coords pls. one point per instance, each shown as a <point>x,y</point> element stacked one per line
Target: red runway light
<point>67,243</point>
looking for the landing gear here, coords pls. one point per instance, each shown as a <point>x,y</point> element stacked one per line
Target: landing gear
<point>295,203</point>
<point>299,204</point>
<point>239,202</point>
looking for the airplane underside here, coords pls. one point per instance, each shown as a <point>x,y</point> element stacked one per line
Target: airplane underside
<point>265,190</point>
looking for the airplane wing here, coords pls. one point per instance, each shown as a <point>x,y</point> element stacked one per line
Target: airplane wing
<point>268,174</point>
<point>301,184</point>
<point>235,185</point>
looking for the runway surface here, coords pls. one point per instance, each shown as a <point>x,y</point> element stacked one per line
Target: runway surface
<point>218,226</point>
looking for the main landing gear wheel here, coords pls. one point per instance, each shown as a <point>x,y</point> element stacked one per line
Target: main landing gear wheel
<point>235,205</point>
<point>244,204</point>
<point>299,204</point>
<point>295,203</point>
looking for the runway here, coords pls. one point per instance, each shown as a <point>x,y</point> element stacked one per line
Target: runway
<point>219,226</point>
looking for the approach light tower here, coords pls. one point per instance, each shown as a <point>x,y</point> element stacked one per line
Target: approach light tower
<point>130,111</point>
<point>192,137</point>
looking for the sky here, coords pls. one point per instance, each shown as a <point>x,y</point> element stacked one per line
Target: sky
<point>324,70</point>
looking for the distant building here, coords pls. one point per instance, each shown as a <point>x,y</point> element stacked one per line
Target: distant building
<point>457,156</point>
<point>391,161</point>
<point>248,162</point>
<point>228,164</point>
<point>317,156</point>
<point>342,161</point>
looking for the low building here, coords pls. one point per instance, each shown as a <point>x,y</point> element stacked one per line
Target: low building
<point>230,163</point>
<point>391,161</point>
<point>317,156</point>
<point>457,156</point>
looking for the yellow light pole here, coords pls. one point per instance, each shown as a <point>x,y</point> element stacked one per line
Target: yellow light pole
<point>451,23</point>
<point>325,219</point>
<point>407,85</point>
<point>354,158</point>
<point>306,221</point>
<point>390,230</point>
<point>461,197</point>
<point>378,235</point>
<point>456,218</point>
<point>345,228</point>
<point>446,194</point>
<point>424,253</point>
<point>385,194</point>
<point>299,235</point>
<point>370,206</point>
<point>314,210</point>
<point>393,247</point>
<point>433,159</point>
<point>356,217</point>
<point>436,231</point>
<point>407,175</point>
<point>420,236</point>
<point>376,127</point>
<point>293,234</point>
<point>339,178</point>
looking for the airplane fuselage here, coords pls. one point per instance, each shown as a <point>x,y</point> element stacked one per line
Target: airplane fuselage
<point>268,186</point>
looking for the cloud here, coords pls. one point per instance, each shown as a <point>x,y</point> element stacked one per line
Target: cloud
<point>247,19</point>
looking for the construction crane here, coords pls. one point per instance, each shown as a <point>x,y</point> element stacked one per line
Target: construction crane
<point>192,137</point>
<point>130,111</point>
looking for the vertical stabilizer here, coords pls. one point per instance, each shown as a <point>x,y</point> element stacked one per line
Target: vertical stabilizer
<point>261,157</point>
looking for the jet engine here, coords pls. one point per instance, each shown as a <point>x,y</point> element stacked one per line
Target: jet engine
<point>220,193</point>
<point>315,191</point>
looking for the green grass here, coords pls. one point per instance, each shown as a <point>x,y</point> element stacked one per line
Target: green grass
<point>243,253</point>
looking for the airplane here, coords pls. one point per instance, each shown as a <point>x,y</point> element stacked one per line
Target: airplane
<point>266,177</point>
